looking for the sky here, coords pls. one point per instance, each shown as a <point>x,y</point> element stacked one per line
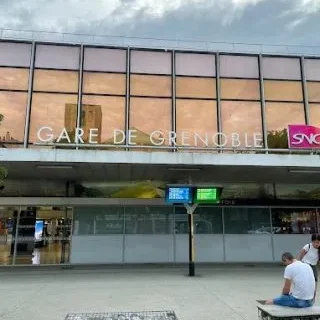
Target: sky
<point>249,21</point>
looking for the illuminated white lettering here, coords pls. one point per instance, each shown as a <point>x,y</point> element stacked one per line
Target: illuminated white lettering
<point>185,138</point>
<point>158,136</point>
<point>235,140</point>
<point>117,133</point>
<point>223,140</point>
<point>257,140</point>
<point>202,141</point>
<point>78,135</point>
<point>48,136</point>
<point>93,133</point>
<point>131,136</point>
<point>172,138</point>
<point>64,136</point>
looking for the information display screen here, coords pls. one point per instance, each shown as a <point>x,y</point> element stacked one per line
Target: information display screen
<point>179,194</point>
<point>207,195</point>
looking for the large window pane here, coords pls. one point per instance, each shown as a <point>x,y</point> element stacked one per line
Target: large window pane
<point>14,78</point>
<point>298,191</point>
<point>12,116</point>
<point>194,64</point>
<point>244,119</point>
<point>239,67</point>
<point>149,220</point>
<point>55,81</point>
<point>56,111</point>
<point>313,91</point>
<point>314,113</point>
<point>57,57</point>
<point>187,87</point>
<point>281,68</point>
<point>278,117</point>
<point>153,62</point>
<point>247,221</point>
<point>206,220</point>
<point>98,221</point>
<point>156,86</point>
<point>148,115</point>
<point>312,69</point>
<point>101,59</point>
<point>15,54</point>
<point>294,221</point>
<point>104,83</point>
<point>199,119</point>
<point>240,89</point>
<point>283,90</point>
<point>105,114</point>
<point>247,191</point>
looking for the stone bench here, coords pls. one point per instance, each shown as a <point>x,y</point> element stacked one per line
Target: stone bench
<point>272,312</point>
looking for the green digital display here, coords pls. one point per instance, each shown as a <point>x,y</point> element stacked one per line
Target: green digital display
<point>207,195</point>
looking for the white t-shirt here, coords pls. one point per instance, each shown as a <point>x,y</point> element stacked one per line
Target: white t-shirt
<point>302,280</point>
<point>312,255</point>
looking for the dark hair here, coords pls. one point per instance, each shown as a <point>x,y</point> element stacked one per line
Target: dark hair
<point>315,237</point>
<point>287,256</point>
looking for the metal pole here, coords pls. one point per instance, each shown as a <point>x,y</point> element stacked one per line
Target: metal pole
<point>191,245</point>
<point>190,211</point>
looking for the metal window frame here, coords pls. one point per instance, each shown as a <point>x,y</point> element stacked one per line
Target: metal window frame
<point>30,92</point>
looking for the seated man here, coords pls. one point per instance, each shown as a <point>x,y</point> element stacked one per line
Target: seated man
<point>299,287</point>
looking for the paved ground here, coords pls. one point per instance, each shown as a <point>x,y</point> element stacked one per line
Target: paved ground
<point>217,293</point>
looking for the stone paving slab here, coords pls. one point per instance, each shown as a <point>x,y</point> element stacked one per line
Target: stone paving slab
<point>146,315</point>
<point>217,293</point>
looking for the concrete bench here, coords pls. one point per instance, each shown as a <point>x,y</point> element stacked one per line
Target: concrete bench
<point>271,312</point>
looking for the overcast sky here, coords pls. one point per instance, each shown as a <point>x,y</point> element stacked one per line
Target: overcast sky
<point>259,21</point>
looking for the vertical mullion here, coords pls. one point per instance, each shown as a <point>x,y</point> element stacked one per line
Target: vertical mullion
<point>80,85</point>
<point>223,234</point>
<point>219,118</point>
<point>263,104</point>
<point>305,91</point>
<point>174,98</point>
<point>271,234</point>
<point>127,115</point>
<point>124,236</point>
<point>29,101</point>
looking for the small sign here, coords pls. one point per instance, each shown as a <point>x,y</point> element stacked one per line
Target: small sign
<point>179,194</point>
<point>207,195</point>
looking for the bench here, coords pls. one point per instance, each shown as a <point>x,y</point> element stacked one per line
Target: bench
<point>272,312</point>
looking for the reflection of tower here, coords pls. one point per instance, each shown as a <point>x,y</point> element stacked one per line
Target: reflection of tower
<point>91,118</point>
<point>70,117</point>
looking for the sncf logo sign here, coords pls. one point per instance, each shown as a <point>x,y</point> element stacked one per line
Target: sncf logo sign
<point>303,136</point>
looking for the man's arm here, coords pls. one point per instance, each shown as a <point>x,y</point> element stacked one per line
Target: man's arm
<point>301,254</point>
<point>286,286</point>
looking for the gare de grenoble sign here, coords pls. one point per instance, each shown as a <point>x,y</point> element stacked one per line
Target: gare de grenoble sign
<point>299,137</point>
<point>47,134</point>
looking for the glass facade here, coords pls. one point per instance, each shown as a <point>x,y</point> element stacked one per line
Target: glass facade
<point>113,96</point>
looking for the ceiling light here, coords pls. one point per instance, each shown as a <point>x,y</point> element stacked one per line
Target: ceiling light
<point>304,171</point>
<point>184,169</point>
<point>53,167</point>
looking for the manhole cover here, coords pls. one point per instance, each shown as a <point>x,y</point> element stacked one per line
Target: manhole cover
<point>147,315</point>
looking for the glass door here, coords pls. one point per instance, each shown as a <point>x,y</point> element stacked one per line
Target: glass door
<point>43,236</point>
<point>8,218</point>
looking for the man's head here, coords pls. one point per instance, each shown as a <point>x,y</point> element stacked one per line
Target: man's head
<point>315,239</point>
<point>287,258</point>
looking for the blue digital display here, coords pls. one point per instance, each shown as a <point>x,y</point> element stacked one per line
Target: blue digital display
<point>179,195</point>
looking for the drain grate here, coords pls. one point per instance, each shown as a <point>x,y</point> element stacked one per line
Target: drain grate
<point>146,315</point>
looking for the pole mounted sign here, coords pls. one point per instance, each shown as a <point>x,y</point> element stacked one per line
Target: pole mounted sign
<point>191,196</point>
